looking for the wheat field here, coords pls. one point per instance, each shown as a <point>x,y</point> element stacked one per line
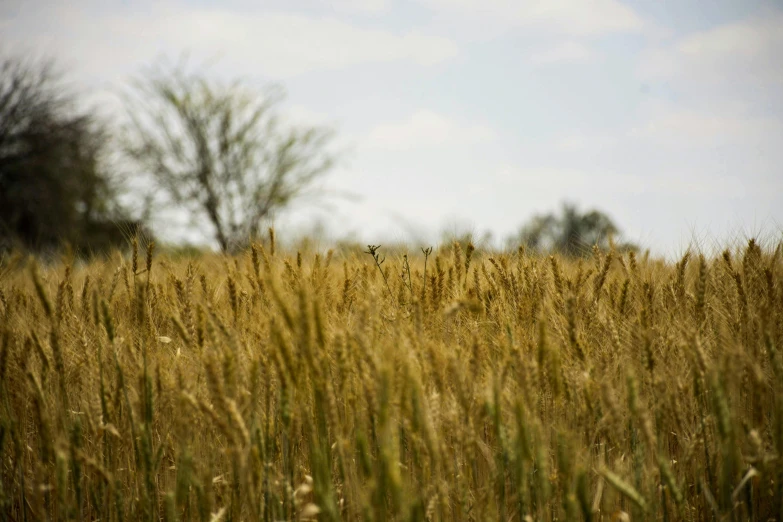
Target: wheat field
<point>450,385</point>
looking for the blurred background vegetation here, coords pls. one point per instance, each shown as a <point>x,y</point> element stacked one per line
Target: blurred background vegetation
<point>218,153</point>
<point>54,189</point>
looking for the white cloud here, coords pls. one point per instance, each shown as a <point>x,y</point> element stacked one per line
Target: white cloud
<point>275,44</point>
<point>585,142</point>
<point>680,126</point>
<point>544,178</point>
<point>297,114</point>
<point>565,52</point>
<point>9,9</point>
<point>425,129</point>
<point>754,39</point>
<point>369,6</point>
<point>574,17</point>
<point>722,117</point>
<point>742,53</point>
<point>550,182</point>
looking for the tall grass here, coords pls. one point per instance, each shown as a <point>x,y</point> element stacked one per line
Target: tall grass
<point>483,387</point>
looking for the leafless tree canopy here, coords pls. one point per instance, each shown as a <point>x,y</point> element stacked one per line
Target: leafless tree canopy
<point>220,151</point>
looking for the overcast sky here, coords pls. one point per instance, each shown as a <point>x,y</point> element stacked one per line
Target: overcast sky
<point>476,114</point>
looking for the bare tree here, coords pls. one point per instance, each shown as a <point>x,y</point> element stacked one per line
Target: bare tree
<point>220,152</point>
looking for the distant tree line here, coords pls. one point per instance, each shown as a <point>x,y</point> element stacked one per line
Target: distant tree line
<point>217,152</point>
<point>571,232</point>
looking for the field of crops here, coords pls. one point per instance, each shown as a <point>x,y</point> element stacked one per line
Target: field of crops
<point>453,384</point>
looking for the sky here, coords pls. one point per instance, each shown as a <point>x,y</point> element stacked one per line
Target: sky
<point>474,115</point>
